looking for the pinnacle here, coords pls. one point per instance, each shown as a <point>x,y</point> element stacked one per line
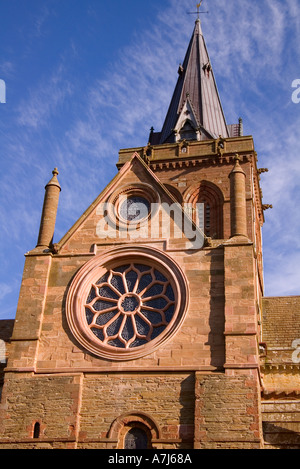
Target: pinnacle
<point>54,180</point>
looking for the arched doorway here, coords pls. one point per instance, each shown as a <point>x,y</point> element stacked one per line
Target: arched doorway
<point>134,431</point>
<point>136,438</point>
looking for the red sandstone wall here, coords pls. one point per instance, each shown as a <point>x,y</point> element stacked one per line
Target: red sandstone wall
<point>52,379</point>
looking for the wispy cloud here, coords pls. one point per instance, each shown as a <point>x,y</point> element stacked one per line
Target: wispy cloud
<point>7,69</point>
<point>249,62</point>
<point>80,127</point>
<point>35,110</point>
<point>39,21</point>
<point>282,278</point>
<point>4,290</point>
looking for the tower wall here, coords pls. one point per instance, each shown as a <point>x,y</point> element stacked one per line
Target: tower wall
<point>199,389</point>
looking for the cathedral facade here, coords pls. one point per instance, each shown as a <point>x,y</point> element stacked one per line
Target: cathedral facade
<point>146,326</point>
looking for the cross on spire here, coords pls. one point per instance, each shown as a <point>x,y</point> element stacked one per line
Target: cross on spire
<point>196,94</point>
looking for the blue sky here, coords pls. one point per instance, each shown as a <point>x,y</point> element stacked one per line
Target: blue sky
<point>85,78</point>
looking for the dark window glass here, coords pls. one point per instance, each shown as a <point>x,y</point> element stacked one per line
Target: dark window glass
<point>130,309</point>
<point>36,430</point>
<point>136,438</point>
<point>135,208</point>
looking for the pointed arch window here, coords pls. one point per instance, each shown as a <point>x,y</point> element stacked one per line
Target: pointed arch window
<point>204,216</point>
<point>207,201</point>
<point>188,132</point>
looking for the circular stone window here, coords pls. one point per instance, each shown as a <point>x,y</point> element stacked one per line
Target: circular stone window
<point>130,305</point>
<point>126,303</point>
<point>134,208</point>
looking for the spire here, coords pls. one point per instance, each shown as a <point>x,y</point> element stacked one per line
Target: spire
<point>195,111</point>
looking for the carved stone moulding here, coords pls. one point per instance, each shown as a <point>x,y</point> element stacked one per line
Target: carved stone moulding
<point>147,202</point>
<point>126,303</point>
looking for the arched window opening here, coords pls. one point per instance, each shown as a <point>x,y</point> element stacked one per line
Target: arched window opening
<point>187,132</point>
<point>136,438</point>
<point>36,430</point>
<point>204,217</point>
<point>134,431</point>
<point>207,218</point>
<point>207,201</point>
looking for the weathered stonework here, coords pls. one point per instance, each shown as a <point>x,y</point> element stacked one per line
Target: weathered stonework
<point>167,391</point>
<point>281,372</point>
<point>226,414</point>
<point>96,357</point>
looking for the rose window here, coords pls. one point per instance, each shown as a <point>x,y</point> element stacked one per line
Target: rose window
<point>130,306</point>
<point>126,302</point>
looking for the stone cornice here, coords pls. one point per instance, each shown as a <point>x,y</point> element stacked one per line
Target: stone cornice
<point>280,367</point>
<point>192,151</point>
<point>269,394</point>
<point>209,160</point>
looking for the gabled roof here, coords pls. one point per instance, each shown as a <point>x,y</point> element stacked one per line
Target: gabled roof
<point>115,183</point>
<point>196,88</point>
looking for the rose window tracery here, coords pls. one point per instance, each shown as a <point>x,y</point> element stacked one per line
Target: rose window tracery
<point>129,306</point>
<point>127,302</point>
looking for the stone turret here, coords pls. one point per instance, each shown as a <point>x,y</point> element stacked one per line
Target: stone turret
<point>238,200</point>
<point>48,219</point>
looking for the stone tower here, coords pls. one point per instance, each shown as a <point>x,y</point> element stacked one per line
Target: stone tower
<point>141,327</point>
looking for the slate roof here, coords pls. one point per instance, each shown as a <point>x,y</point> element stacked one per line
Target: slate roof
<point>196,88</point>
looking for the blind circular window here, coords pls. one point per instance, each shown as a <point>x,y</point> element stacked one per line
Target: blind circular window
<point>126,303</point>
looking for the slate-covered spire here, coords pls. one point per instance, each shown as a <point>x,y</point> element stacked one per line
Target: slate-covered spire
<point>195,111</point>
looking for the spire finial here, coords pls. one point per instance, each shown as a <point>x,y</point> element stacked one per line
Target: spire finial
<point>198,11</point>
<point>54,180</point>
